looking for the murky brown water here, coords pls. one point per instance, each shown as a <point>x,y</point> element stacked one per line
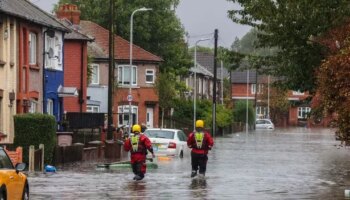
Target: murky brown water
<point>279,164</point>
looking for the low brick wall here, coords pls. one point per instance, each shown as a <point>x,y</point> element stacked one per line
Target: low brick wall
<point>15,156</point>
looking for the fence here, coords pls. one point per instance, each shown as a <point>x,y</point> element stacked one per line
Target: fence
<point>36,158</point>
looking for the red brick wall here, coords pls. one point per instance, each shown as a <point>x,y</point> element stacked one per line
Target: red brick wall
<point>140,96</point>
<point>240,90</point>
<point>15,156</point>
<point>72,73</point>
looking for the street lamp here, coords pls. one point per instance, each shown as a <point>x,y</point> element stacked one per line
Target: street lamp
<point>195,81</point>
<point>130,67</point>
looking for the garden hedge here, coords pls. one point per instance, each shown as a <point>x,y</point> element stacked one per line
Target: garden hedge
<point>35,129</point>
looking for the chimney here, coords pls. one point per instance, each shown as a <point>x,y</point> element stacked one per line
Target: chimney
<point>70,12</point>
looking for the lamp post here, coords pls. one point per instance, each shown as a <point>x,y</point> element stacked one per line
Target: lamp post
<point>195,81</point>
<point>130,67</point>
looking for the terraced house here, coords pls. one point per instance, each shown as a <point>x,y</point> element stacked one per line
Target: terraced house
<point>23,27</point>
<point>145,107</point>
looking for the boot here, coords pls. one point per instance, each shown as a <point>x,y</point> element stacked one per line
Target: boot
<point>137,178</point>
<point>193,174</point>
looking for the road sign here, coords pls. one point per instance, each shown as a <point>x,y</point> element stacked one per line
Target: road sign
<point>129,97</point>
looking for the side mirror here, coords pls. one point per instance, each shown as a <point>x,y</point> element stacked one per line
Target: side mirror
<point>20,167</point>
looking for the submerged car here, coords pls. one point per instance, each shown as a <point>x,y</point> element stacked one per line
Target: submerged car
<point>13,183</point>
<point>169,142</point>
<point>264,124</point>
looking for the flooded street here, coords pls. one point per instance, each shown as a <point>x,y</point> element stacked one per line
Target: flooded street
<point>281,164</point>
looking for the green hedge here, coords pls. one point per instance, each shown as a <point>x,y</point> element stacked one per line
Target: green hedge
<point>35,129</point>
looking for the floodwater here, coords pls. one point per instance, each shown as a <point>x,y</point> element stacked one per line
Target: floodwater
<point>296,163</point>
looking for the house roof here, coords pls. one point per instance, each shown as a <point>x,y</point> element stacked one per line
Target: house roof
<point>99,48</point>
<point>240,76</point>
<point>207,60</point>
<point>26,10</point>
<point>201,70</point>
<point>75,34</point>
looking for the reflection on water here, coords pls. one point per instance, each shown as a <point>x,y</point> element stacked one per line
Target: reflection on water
<point>198,188</point>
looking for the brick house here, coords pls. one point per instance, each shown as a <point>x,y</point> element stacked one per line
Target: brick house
<point>23,26</point>
<point>145,107</point>
<point>257,85</point>
<point>75,60</point>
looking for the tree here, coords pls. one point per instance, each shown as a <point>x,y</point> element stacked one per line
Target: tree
<point>288,26</point>
<point>165,85</point>
<point>240,112</point>
<point>158,31</point>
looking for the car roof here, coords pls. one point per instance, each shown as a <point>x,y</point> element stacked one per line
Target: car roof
<point>162,129</point>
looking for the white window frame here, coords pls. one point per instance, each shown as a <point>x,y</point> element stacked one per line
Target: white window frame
<point>303,112</point>
<point>32,48</point>
<point>253,88</point>
<point>124,110</point>
<point>261,111</point>
<point>152,74</point>
<point>121,76</point>
<point>49,107</point>
<point>92,109</point>
<point>49,62</point>
<point>95,82</point>
<point>33,106</point>
<point>298,93</point>
<point>56,44</point>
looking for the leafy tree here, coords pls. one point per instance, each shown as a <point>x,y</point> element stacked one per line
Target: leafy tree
<point>288,26</point>
<point>158,31</point>
<point>279,104</point>
<point>224,117</point>
<point>240,111</point>
<point>165,85</point>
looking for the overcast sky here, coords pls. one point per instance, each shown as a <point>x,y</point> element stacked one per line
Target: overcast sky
<point>199,17</point>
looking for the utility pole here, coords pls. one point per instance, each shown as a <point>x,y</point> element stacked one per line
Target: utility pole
<point>111,71</point>
<point>215,78</point>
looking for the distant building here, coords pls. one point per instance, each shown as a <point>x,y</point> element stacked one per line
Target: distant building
<point>257,85</point>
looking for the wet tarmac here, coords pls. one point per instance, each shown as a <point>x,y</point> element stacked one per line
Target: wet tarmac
<point>294,163</point>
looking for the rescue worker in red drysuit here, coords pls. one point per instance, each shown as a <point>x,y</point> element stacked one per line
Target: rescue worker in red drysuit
<point>201,142</point>
<point>138,144</point>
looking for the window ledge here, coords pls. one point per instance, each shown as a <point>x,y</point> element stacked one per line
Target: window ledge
<point>34,67</point>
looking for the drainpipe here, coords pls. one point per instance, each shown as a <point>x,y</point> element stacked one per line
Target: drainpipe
<point>81,94</point>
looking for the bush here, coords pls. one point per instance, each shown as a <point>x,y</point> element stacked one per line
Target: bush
<point>35,129</point>
<point>240,112</point>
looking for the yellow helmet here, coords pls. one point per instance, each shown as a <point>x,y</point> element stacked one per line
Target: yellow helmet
<point>136,128</point>
<point>200,124</point>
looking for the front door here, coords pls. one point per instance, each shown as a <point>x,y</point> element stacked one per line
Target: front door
<point>149,118</point>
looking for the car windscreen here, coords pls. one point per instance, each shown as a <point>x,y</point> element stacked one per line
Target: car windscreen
<point>160,134</point>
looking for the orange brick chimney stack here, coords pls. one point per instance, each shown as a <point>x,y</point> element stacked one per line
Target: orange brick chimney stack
<point>70,12</point>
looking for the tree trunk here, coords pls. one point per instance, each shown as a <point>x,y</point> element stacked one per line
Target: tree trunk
<point>162,117</point>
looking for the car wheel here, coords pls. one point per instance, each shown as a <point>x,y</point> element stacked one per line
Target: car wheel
<point>25,195</point>
<point>181,154</point>
<point>3,193</point>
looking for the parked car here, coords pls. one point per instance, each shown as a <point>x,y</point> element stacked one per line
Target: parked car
<point>170,142</point>
<point>264,124</point>
<point>13,183</point>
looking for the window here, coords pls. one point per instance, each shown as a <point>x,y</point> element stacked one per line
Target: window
<point>298,93</point>
<point>95,76</point>
<point>53,54</point>
<point>149,76</point>
<point>49,107</point>
<point>181,135</point>
<point>5,162</point>
<point>49,63</point>
<point>260,88</point>
<point>92,109</point>
<point>303,112</point>
<point>124,75</point>
<point>123,115</point>
<point>261,111</point>
<point>33,106</point>
<point>32,48</point>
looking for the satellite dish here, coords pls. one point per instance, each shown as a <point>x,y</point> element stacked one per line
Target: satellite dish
<point>51,53</point>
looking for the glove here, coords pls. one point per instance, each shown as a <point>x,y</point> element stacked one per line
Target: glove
<point>209,147</point>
